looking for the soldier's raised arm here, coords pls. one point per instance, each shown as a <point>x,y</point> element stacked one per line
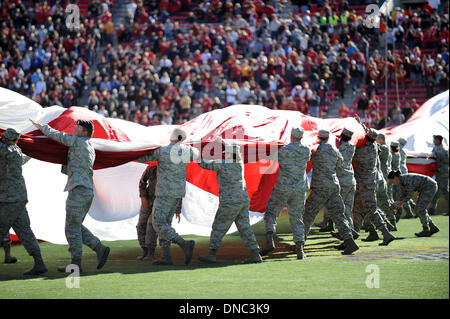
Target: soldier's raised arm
<point>150,156</point>
<point>66,139</point>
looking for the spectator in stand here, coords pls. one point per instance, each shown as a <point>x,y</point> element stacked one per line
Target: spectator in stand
<point>363,103</point>
<point>430,84</point>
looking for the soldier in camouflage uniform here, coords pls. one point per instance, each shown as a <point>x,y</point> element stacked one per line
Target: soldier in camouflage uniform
<point>441,155</point>
<point>408,207</point>
<point>426,187</point>
<point>366,177</point>
<point>395,166</point>
<point>325,191</point>
<point>13,200</point>
<point>347,180</point>
<point>383,201</point>
<point>233,203</point>
<point>79,168</point>
<point>146,233</point>
<point>170,189</point>
<point>290,189</point>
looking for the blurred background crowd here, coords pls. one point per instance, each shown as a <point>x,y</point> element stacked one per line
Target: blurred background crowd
<point>165,62</point>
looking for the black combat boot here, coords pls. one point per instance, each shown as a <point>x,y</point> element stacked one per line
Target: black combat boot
<point>210,257</point>
<point>39,266</point>
<point>270,245</point>
<point>8,258</point>
<point>433,228</point>
<point>387,237</point>
<point>255,257</point>
<point>350,246</point>
<point>166,259</point>
<point>102,255</point>
<point>74,262</point>
<point>299,249</point>
<point>373,235</point>
<point>188,249</point>
<point>329,227</point>
<point>144,253</point>
<point>150,253</point>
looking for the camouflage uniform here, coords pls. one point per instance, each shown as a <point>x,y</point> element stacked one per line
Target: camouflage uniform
<point>170,187</point>
<point>404,170</point>
<point>346,178</point>
<point>79,168</point>
<point>383,201</point>
<point>366,177</point>
<point>393,190</point>
<point>426,187</point>
<point>325,190</point>
<point>441,155</point>
<point>290,189</point>
<point>233,203</point>
<point>13,199</point>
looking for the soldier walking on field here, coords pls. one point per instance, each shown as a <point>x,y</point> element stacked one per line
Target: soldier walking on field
<point>366,177</point>
<point>79,169</point>
<point>170,189</point>
<point>233,203</point>
<point>290,189</point>
<point>146,233</point>
<point>325,191</point>
<point>13,200</point>
<point>441,155</point>
<point>408,206</point>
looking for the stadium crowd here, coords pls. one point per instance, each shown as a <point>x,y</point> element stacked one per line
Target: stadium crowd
<point>155,70</point>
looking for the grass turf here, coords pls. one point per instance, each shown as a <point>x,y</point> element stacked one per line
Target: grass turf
<point>324,274</point>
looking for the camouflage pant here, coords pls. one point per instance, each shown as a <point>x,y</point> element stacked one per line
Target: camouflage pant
<point>77,206</point>
<point>384,202</point>
<point>366,206</point>
<point>227,213</point>
<point>147,235</point>
<point>164,208</point>
<point>397,195</point>
<point>15,215</point>
<point>348,197</point>
<point>6,241</point>
<point>442,183</point>
<point>423,202</point>
<point>332,200</point>
<point>295,199</point>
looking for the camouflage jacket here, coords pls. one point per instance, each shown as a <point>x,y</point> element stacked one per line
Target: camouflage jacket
<point>325,161</point>
<point>292,159</point>
<point>12,183</point>
<point>395,162</point>
<point>80,158</point>
<point>230,178</point>
<point>403,156</point>
<point>172,161</point>
<point>366,163</point>
<point>385,158</point>
<point>345,173</point>
<point>441,155</point>
<point>412,182</point>
<point>147,183</point>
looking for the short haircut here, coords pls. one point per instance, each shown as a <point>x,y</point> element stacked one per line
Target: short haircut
<point>87,126</point>
<point>393,174</point>
<point>345,138</point>
<point>438,137</point>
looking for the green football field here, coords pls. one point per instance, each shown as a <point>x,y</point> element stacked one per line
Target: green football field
<point>408,268</point>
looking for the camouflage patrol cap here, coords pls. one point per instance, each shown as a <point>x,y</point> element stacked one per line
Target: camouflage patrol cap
<point>347,132</point>
<point>394,143</point>
<point>381,136</point>
<point>297,132</point>
<point>178,134</point>
<point>402,141</point>
<point>324,133</point>
<point>11,134</point>
<point>372,134</point>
